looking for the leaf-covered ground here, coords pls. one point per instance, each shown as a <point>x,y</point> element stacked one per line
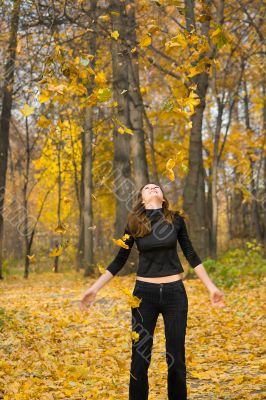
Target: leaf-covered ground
<point>50,350</point>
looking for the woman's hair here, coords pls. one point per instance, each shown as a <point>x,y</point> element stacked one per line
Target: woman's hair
<point>138,224</point>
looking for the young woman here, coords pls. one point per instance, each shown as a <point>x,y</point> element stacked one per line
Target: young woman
<point>159,285</point>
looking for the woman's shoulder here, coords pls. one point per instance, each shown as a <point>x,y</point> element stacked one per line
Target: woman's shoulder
<point>178,214</point>
<point>178,218</point>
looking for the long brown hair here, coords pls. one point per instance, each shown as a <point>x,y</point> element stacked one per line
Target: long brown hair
<point>138,224</point>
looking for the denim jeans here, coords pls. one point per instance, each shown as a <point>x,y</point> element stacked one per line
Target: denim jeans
<point>171,300</point>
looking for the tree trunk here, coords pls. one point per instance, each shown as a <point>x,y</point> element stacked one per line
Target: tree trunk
<point>6,115</point>
<point>123,185</point>
<point>257,230</point>
<point>138,150</point>
<point>87,252</point>
<point>214,185</point>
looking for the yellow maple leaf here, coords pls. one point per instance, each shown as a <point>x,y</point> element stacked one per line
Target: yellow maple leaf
<point>135,336</point>
<point>170,163</point>
<point>100,78</point>
<point>27,110</point>
<point>44,96</point>
<point>115,35</point>
<point>60,229</point>
<point>145,41</point>
<point>56,252</point>
<point>170,174</point>
<point>193,71</point>
<point>43,122</point>
<point>134,301</point>
<point>32,258</point>
<point>124,129</point>
<point>104,94</point>
<point>104,18</point>
<point>120,243</point>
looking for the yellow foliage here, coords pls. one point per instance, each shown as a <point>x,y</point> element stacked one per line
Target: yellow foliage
<point>27,110</point>
<point>115,35</point>
<point>145,41</point>
<point>44,96</point>
<point>43,122</point>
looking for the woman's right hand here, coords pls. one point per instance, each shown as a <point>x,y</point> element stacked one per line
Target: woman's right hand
<point>87,299</point>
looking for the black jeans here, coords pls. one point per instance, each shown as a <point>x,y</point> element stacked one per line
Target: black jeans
<point>171,300</point>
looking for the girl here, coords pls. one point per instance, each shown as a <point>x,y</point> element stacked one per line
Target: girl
<point>156,229</point>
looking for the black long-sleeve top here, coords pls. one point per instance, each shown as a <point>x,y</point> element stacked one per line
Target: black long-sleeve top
<point>158,250</point>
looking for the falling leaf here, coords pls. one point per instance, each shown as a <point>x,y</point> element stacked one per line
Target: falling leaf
<point>32,258</point>
<point>115,35</point>
<point>56,252</point>
<point>61,229</point>
<point>92,227</point>
<point>101,268</point>
<point>27,110</point>
<point>124,129</point>
<point>66,200</point>
<point>170,174</point>
<point>120,243</point>
<point>135,336</point>
<point>170,163</point>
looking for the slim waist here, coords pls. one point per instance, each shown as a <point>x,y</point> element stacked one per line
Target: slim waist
<point>153,284</point>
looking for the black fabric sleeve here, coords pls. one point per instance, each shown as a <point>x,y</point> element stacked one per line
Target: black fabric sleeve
<point>122,255</point>
<point>186,245</point>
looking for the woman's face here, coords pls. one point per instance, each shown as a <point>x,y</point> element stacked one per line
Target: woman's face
<point>152,192</point>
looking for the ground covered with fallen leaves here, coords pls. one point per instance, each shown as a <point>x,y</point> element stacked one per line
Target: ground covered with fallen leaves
<point>50,350</point>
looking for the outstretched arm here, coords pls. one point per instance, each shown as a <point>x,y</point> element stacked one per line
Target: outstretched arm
<point>121,257</point>
<point>195,262</point>
<point>118,262</point>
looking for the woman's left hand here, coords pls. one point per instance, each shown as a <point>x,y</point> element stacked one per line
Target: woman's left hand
<point>217,298</point>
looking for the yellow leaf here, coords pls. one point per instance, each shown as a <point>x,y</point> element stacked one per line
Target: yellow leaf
<point>135,336</point>
<point>27,110</point>
<point>145,41</point>
<point>193,71</point>
<point>66,200</point>
<point>60,229</point>
<point>104,18</point>
<point>44,96</point>
<point>134,301</point>
<point>124,129</point>
<point>56,252</point>
<point>100,78</point>
<point>104,94</point>
<point>101,269</point>
<point>177,41</point>
<point>32,258</point>
<point>120,243</point>
<point>43,122</point>
<point>115,35</point>
<point>170,163</point>
<point>170,174</point>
